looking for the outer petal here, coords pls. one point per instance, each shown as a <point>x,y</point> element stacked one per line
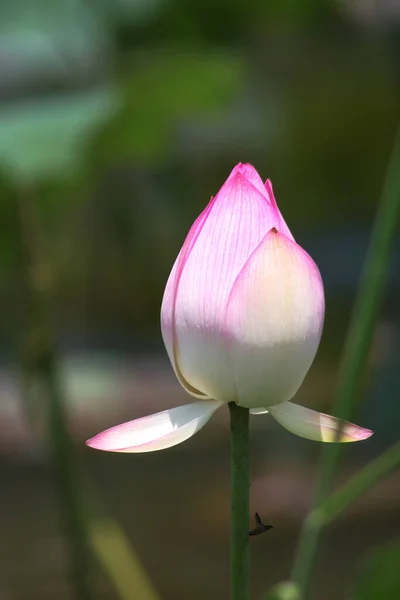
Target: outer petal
<point>283,228</point>
<point>156,432</point>
<point>233,226</point>
<point>168,307</point>
<point>316,426</point>
<point>274,322</point>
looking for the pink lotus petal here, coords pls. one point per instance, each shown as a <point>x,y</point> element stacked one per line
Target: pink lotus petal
<point>316,426</point>
<point>156,432</point>
<point>274,322</point>
<point>168,307</point>
<point>249,173</point>
<point>194,304</point>
<point>283,228</point>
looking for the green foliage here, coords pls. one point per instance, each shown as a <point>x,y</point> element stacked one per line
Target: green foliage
<point>46,139</point>
<point>166,88</point>
<point>355,359</point>
<point>380,575</point>
<point>341,128</point>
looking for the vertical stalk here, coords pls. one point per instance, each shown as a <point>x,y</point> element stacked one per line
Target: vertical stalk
<point>70,495</point>
<point>41,386</point>
<point>240,484</point>
<point>364,318</point>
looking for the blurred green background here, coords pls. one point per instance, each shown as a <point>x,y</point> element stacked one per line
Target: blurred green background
<point>119,119</point>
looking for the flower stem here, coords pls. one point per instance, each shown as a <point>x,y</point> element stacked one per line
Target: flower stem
<point>240,483</point>
<point>358,485</point>
<point>363,322</point>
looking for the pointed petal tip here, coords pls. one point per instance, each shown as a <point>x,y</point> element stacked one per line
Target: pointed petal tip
<point>317,426</point>
<point>245,172</point>
<point>243,169</point>
<point>95,442</point>
<point>349,432</point>
<point>362,434</point>
<point>270,191</point>
<point>105,441</point>
<point>239,175</point>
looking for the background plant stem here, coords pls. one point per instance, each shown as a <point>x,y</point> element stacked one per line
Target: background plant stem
<point>240,484</point>
<point>360,483</point>
<point>119,561</point>
<point>365,316</point>
<point>41,387</point>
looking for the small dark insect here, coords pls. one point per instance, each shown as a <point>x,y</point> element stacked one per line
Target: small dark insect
<point>260,526</point>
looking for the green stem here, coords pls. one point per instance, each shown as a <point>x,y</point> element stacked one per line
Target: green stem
<point>360,483</point>
<point>41,382</point>
<point>240,484</point>
<point>365,315</point>
<point>67,479</point>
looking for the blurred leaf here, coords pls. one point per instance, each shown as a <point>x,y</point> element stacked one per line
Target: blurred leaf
<point>380,578</point>
<point>163,91</point>
<point>286,590</point>
<point>134,10</point>
<point>297,13</point>
<point>45,139</point>
<point>58,39</point>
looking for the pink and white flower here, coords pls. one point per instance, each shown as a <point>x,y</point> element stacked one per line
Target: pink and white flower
<point>241,318</point>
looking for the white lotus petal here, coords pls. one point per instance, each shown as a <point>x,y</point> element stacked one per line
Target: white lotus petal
<point>273,322</point>
<point>258,411</point>
<point>168,308</point>
<point>316,426</point>
<point>158,431</point>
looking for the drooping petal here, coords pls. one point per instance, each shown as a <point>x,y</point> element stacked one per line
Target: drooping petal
<point>316,426</point>
<point>237,220</point>
<point>156,432</point>
<point>274,322</point>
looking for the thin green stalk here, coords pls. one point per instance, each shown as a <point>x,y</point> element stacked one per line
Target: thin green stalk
<point>240,485</point>
<point>120,561</point>
<point>41,382</point>
<point>365,315</point>
<point>70,497</point>
<point>360,483</point>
